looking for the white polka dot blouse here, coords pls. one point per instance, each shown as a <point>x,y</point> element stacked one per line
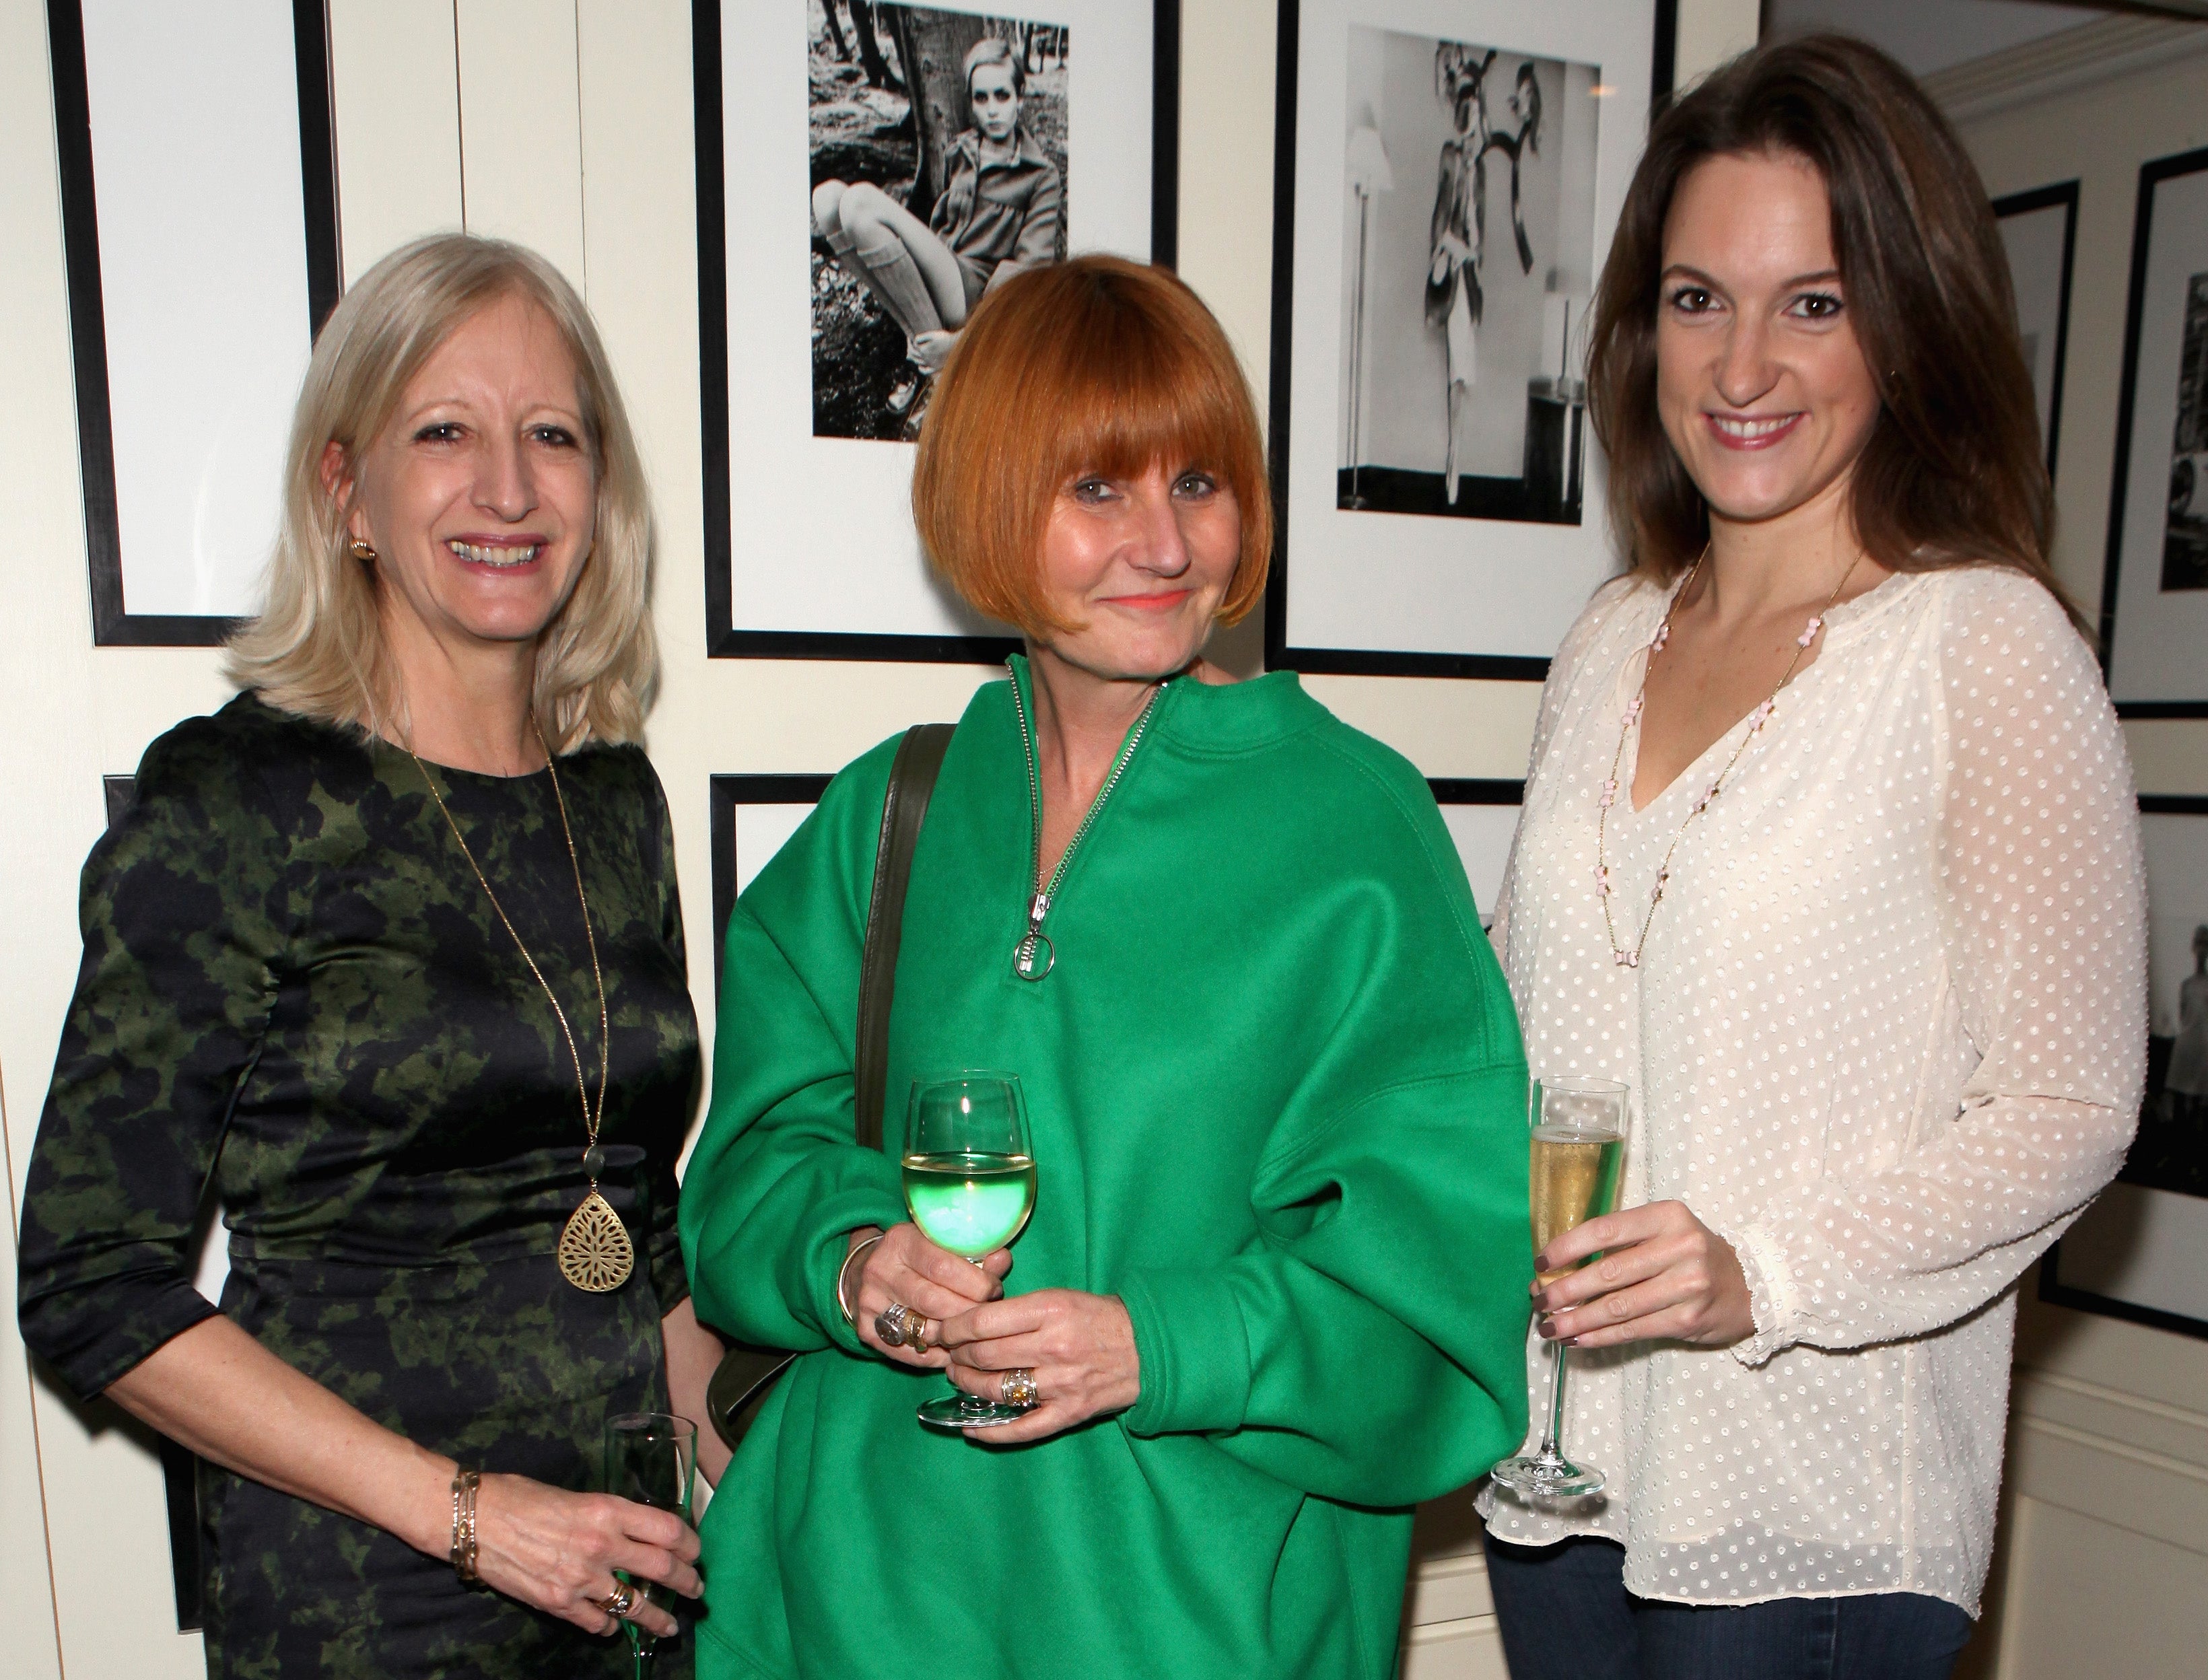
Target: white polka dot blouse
<point>1886,1038</point>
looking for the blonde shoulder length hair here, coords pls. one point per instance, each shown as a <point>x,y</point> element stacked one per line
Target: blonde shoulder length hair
<point>317,647</point>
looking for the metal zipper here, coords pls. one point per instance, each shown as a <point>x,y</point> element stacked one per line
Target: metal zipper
<point>1034,957</point>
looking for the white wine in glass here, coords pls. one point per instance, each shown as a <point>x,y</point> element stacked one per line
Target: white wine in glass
<point>1578,1149</point>
<point>970,1184</point>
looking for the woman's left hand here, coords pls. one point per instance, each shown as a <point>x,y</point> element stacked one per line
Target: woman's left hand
<point>1079,1348</point>
<point>1664,1275</point>
<point>931,349</point>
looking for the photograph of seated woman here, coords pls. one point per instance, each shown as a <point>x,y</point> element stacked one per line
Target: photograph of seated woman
<point>1271,1293</point>
<point>997,213</point>
<point>1830,852</point>
<point>387,954</point>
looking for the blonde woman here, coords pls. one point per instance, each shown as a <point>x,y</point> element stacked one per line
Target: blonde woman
<point>387,956</point>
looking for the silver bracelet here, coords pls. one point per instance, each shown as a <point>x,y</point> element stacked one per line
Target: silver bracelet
<point>844,1277</point>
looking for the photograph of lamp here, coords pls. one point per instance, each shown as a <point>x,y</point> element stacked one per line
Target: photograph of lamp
<point>1369,173</point>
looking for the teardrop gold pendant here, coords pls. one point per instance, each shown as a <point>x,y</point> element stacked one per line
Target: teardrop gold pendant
<point>594,1251</point>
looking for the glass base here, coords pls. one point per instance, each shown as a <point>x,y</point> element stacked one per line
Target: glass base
<point>1547,1476</point>
<point>958,1412</point>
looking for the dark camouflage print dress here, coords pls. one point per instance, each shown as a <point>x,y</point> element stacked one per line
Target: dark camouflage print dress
<point>295,993</point>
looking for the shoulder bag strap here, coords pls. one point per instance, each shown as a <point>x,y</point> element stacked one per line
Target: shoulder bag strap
<point>912,782</point>
<point>745,1373</point>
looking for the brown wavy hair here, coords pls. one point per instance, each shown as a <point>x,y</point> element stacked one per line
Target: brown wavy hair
<point>1953,473</point>
<point>1094,365</point>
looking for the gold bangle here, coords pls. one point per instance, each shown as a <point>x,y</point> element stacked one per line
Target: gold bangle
<point>844,1277</point>
<point>464,1484</point>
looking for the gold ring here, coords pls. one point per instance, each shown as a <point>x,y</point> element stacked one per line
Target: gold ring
<point>1019,1388</point>
<point>618,1603</point>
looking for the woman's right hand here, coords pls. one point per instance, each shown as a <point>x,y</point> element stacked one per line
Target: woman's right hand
<point>557,1551</point>
<point>933,1281</point>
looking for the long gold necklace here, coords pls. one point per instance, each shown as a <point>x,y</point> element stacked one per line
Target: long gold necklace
<point>1631,958</point>
<point>594,1250</point>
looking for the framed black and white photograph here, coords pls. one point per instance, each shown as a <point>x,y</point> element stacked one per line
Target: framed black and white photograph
<point>2039,231</point>
<point>189,332</point>
<point>1446,180</point>
<point>2141,1251</point>
<point>2154,597</point>
<point>865,173</point>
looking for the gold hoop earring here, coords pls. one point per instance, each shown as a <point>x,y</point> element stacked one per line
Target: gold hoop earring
<point>364,552</point>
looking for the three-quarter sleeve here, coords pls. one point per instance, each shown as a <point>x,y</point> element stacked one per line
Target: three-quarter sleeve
<point>2043,928</point>
<point>777,1171</point>
<point>184,916</point>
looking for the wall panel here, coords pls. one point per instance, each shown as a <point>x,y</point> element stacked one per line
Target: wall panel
<point>521,142</point>
<point>394,77</point>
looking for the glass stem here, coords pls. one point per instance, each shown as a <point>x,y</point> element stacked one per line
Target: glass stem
<point>1549,1443</point>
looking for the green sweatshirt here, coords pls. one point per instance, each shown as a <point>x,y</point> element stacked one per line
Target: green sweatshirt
<point>1278,1105</point>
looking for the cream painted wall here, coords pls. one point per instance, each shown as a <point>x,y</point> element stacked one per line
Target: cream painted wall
<point>601,181</point>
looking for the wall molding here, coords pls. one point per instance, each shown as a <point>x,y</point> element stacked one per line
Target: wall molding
<point>2062,63</point>
<point>2127,1487</point>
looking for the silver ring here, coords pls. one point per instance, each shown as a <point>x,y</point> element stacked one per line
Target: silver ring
<point>1019,1388</point>
<point>618,1603</point>
<point>895,1323</point>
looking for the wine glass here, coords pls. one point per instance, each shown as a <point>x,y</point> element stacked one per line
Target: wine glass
<point>652,1459</point>
<point>1578,1146</point>
<point>969,1183</point>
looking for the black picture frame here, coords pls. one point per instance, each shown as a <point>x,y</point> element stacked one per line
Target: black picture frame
<point>2152,174</point>
<point>1280,654</point>
<point>2052,1288</point>
<point>728,792</point>
<point>111,625</point>
<point>725,638</point>
<point>2062,195</point>
<point>2056,1293</point>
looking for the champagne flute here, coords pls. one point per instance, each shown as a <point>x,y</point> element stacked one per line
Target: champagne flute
<point>1578,1146</point>
<point>652,1459</point>
<point>970,1184</point>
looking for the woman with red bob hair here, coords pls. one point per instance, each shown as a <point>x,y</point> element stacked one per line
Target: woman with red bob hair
<point>1269,1295</point>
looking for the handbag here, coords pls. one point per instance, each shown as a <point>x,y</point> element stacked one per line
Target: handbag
<point>745,1373</point>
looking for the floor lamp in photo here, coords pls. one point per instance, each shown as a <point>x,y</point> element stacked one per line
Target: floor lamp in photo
<point>1368,174</point>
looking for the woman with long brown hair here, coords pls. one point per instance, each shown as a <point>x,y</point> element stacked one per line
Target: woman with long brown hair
<point>1829,853</point>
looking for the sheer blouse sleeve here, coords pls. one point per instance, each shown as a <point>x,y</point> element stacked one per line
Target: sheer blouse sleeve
<point>2043,929</point>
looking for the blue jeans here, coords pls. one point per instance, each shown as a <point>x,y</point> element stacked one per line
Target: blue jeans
<point>1566,1615</point>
